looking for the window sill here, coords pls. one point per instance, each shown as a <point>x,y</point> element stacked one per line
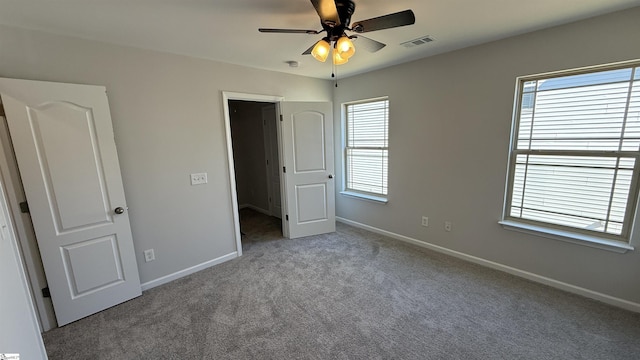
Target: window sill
<point>580,239</point>
<point>378,199</point>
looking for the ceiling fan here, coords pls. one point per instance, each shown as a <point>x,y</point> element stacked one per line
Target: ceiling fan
<point>335,17</point>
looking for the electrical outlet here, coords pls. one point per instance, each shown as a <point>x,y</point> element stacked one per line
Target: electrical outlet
<point>447,225</point>
<point>425,221</point>
<point>149,255</point>
<point>198,179</point>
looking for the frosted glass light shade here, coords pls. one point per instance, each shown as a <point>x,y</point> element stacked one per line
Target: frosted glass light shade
<point>337,59</point>
<point>321,51</point>
<point>345,48</point>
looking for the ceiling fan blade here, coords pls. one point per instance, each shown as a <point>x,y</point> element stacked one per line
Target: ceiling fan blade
<point>327,11</point>
<point>288,31</point>
<point>401,18</point>
<point>368,44</point>
<point>308,51</point>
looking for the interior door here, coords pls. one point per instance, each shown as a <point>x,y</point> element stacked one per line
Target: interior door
<point>63,142</point>
<point>272,158</point>
<point>307,137</point>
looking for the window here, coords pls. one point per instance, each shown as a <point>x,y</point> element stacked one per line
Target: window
<point>575,150</point>
<point>367,148</point>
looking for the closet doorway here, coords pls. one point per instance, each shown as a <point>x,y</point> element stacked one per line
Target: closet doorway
<point>254,136</point>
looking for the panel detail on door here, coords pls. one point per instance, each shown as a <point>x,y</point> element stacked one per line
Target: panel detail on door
<point>312,200</point>
<point>51,124</point>
<point>92,265</point>
<point>309,142</point>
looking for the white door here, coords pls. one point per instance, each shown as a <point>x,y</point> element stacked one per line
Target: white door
<point>272,159</point>
<point>307,137</point>
<point>63,141</point>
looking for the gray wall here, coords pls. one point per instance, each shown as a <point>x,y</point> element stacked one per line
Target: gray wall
<point>450,119</point>
<point>168,122</point>
<point>249,154</point>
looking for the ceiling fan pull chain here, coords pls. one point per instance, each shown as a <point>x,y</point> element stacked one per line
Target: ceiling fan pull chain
<point>334,73</point>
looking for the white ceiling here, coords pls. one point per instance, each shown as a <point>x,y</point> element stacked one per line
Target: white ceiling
<point>226,30</point>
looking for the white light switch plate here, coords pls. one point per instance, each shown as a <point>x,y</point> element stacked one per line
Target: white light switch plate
<point>198,179</point>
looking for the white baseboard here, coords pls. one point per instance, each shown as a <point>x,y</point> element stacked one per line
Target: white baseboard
<point>253,207</point>
<point>188,271</point>
<point>625,304</point>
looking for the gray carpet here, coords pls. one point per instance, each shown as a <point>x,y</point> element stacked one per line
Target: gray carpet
<point>349,295</point>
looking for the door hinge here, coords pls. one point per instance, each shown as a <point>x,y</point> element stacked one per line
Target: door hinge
<point>46,293</point>
<point>24,207</point>
<point>284,169</point>
<point>286,217</point>
<point>281,117</point>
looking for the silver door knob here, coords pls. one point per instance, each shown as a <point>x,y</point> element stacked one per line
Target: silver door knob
<point>119,210</point>
<point>330,176</point>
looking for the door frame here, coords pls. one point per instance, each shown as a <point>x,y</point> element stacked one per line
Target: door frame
<point>24,229</point>
<point>34,340</point>
<point>226,96</point>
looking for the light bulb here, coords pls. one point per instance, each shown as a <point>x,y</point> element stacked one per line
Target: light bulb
<point>321,50</point>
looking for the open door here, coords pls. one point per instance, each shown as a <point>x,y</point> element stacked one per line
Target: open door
<point>63,142</point>
<point>309,185</point>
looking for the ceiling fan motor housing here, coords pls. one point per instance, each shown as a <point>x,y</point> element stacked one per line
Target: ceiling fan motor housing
<point>345,9</point>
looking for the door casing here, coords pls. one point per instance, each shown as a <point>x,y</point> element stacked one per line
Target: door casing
<point>226,96</point>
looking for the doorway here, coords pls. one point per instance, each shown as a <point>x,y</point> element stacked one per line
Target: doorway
<point>255,154</point>
<point>305,139</point>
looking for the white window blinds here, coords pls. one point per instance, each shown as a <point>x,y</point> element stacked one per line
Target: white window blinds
<point>367,152</point>
<point>574,161</point>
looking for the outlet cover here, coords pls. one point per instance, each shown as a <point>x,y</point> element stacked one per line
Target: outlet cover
<point>198,179</point>
<point>425,221</point>
<point>149,255</point>
<point>447,225</point>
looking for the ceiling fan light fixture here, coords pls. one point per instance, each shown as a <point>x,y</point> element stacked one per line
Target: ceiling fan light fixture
<point>337,59</point>
<point>321,50</point>
<point>345,47</point>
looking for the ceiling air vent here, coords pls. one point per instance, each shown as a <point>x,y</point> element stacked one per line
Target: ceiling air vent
<point>419,41</point>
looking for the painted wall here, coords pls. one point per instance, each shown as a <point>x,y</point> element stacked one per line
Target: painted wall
<point>247,132</point>
<point>450,121</point>
<point>168,122</point>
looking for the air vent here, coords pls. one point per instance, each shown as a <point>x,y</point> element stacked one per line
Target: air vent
<point>419,41</point>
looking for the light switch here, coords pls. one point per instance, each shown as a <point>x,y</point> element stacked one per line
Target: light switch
<point>198,179</point>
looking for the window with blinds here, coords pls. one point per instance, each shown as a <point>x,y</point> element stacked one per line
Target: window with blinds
<point>366,147</point>
<point>575,152</point>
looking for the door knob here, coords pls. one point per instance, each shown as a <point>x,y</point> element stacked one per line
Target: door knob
<point>330,176</point>
<point>119,210</point>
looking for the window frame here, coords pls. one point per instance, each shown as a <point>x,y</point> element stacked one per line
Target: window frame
<point>618,243</point>
<point>346,191</point>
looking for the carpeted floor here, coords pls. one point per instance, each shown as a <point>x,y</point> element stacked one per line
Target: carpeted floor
<point>349,295</point>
